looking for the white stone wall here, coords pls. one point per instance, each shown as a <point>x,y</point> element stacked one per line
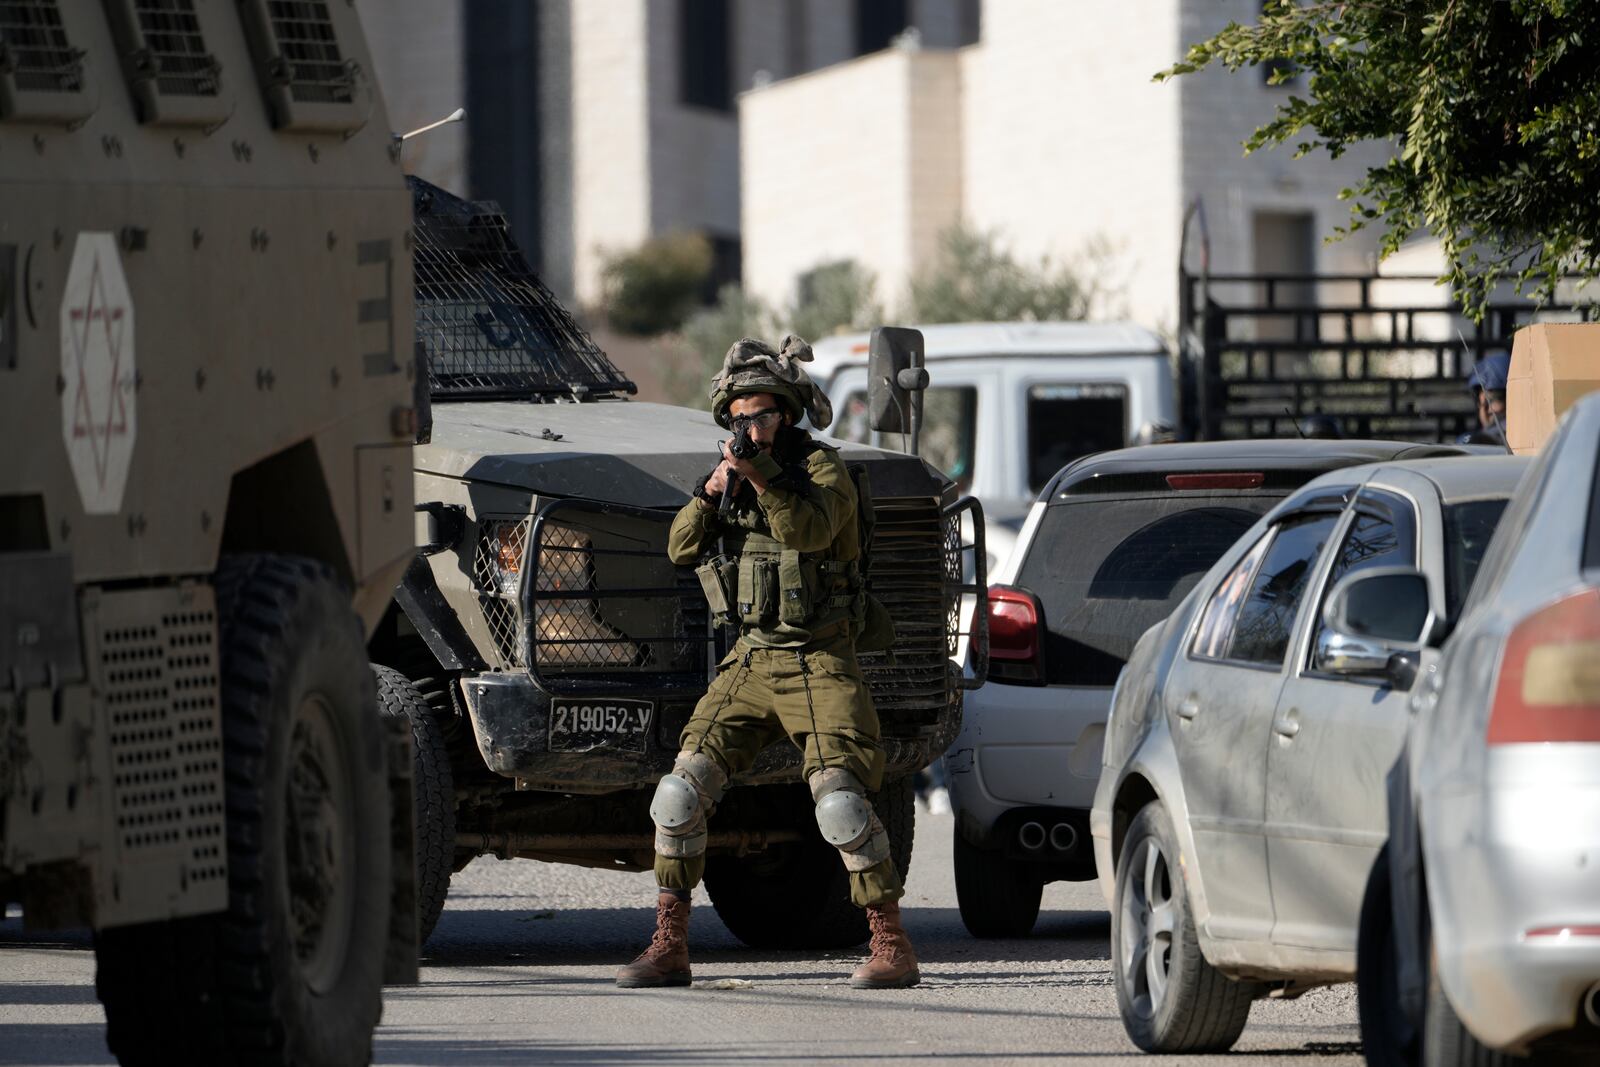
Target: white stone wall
<point>418,49</point>
<point>610,135</point>
<point>1069,141</point>
<point>858,161</point>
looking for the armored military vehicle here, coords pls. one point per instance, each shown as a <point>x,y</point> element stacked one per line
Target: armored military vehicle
<point>206,414</point>
<point>550,651</point>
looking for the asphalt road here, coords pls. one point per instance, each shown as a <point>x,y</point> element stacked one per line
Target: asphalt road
<point>520,972</point>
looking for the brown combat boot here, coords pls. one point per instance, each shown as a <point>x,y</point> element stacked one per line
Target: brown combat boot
<point>892,964</point>
<point>666,961</point>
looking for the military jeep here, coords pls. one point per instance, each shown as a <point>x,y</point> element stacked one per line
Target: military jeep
<point>550,653</point>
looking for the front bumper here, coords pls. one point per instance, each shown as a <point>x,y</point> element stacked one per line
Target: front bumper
<point>511,722</point>
<point>1503,862</point>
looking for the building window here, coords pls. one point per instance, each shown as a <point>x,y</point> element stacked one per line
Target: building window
<point>878,22</point>
<point>1282,73</point>
<point>705,46</point>
<point>727,263</point>
<point>970,13</point>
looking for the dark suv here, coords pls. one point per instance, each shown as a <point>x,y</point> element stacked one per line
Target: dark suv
<point>1113,544</point>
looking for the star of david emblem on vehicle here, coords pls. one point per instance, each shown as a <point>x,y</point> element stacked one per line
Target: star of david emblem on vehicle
<point>97,371</point>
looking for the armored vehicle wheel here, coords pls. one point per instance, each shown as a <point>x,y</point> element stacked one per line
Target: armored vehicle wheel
<point>1170,997</point>
<point>292,971</point>
<point>798,895</point>
<point>997,897</point>
<point>433,789</point>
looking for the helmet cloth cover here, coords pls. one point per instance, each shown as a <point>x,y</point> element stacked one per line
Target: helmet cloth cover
<point>753,366</point>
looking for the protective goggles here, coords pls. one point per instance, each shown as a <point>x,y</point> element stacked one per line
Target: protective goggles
<point>763,419</point>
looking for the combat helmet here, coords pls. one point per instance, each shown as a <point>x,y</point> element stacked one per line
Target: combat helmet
<point>753,366</point>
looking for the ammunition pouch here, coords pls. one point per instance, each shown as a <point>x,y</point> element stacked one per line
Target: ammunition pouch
<point>719,580</point>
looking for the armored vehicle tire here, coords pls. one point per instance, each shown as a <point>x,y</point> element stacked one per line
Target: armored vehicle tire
<point>798,895</point>
<point>433,790</point>
<point>1170,998</point>
<point>292,971</point>
<point>1387,1040</point>
<point>997,897</point>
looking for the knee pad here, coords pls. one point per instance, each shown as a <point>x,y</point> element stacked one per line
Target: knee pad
<point>846,818</point>
<point>676,803</point>
<point>682,802</point>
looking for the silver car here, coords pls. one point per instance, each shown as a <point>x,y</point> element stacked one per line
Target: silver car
<point>1481,930</point>
<point>1241,802</point>
<point>1113,544</point>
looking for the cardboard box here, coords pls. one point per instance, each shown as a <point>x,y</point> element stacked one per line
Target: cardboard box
<point>1552,364</point>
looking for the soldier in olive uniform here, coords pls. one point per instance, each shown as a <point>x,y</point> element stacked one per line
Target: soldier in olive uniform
<point>783,563</point>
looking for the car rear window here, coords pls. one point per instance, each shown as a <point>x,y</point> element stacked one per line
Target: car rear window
<point>1468,529</point>
<point>1107,569</point>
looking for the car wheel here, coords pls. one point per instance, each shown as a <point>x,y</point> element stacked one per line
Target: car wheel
<point>1446,1042</point>
<point>433,790</point>
<point>1170,998</point>
<point>1388,1038</point>
<point>997,897</point>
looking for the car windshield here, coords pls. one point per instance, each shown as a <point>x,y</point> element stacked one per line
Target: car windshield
<point>949,428</point>
<point>486,325</point>
<point>1468,529</point>
<point>1105,569</point>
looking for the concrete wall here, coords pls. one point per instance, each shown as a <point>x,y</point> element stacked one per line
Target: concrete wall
<point>611,136</point>
<point>417,47</point>
<point>1068,140</point>
<point>859,161</point>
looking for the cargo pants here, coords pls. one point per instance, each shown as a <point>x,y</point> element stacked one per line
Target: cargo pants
<point>818,699</point>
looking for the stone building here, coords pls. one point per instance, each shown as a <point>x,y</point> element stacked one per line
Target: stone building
<point>600,123</point>
<point>1049,132</point>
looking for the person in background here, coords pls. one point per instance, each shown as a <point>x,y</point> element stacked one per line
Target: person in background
<point>1487,384</point>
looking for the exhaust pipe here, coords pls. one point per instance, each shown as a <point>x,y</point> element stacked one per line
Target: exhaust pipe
<point>1063,837</point>
<point>1591,1005</point>
<point>1031,836</point>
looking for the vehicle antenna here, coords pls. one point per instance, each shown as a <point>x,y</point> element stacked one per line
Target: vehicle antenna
<point>1289,411</point>
<point>455,116</point>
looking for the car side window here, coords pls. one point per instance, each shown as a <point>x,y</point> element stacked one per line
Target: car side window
<point>1266,617</point>
<point>1383,534</point>
<point>1216,624</point>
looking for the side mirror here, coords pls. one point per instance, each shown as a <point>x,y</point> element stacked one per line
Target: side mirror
<point>896,378</point>
<point>1375,624</point>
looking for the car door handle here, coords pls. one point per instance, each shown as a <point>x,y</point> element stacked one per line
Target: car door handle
<point>1187,709</point>
<point>1286,726</point>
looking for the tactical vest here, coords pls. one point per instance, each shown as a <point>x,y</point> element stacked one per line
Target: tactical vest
<point>766,584</point>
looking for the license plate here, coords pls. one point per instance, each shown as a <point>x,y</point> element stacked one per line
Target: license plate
<point>604,722</point>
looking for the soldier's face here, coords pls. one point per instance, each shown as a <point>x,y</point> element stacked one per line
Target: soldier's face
<point>763,427</point>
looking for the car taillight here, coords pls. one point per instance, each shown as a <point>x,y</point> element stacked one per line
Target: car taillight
<point>1549,686</point>
<point>1015,635</point>
<point>1217,480</point>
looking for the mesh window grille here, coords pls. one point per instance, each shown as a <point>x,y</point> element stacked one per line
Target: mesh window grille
<point>571,633</point>
<point>178,53</point>
<point>489,326</point>
<point>34,40</point>
<point>497,570</point>
<point>306,40</point>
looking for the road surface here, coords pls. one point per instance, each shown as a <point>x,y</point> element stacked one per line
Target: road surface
<point>520,969</point>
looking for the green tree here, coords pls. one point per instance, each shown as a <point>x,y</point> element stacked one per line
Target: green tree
<point>973,278</point>
<point>1491,107</point>
<point>835,296</point>
<point>656,286</point>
